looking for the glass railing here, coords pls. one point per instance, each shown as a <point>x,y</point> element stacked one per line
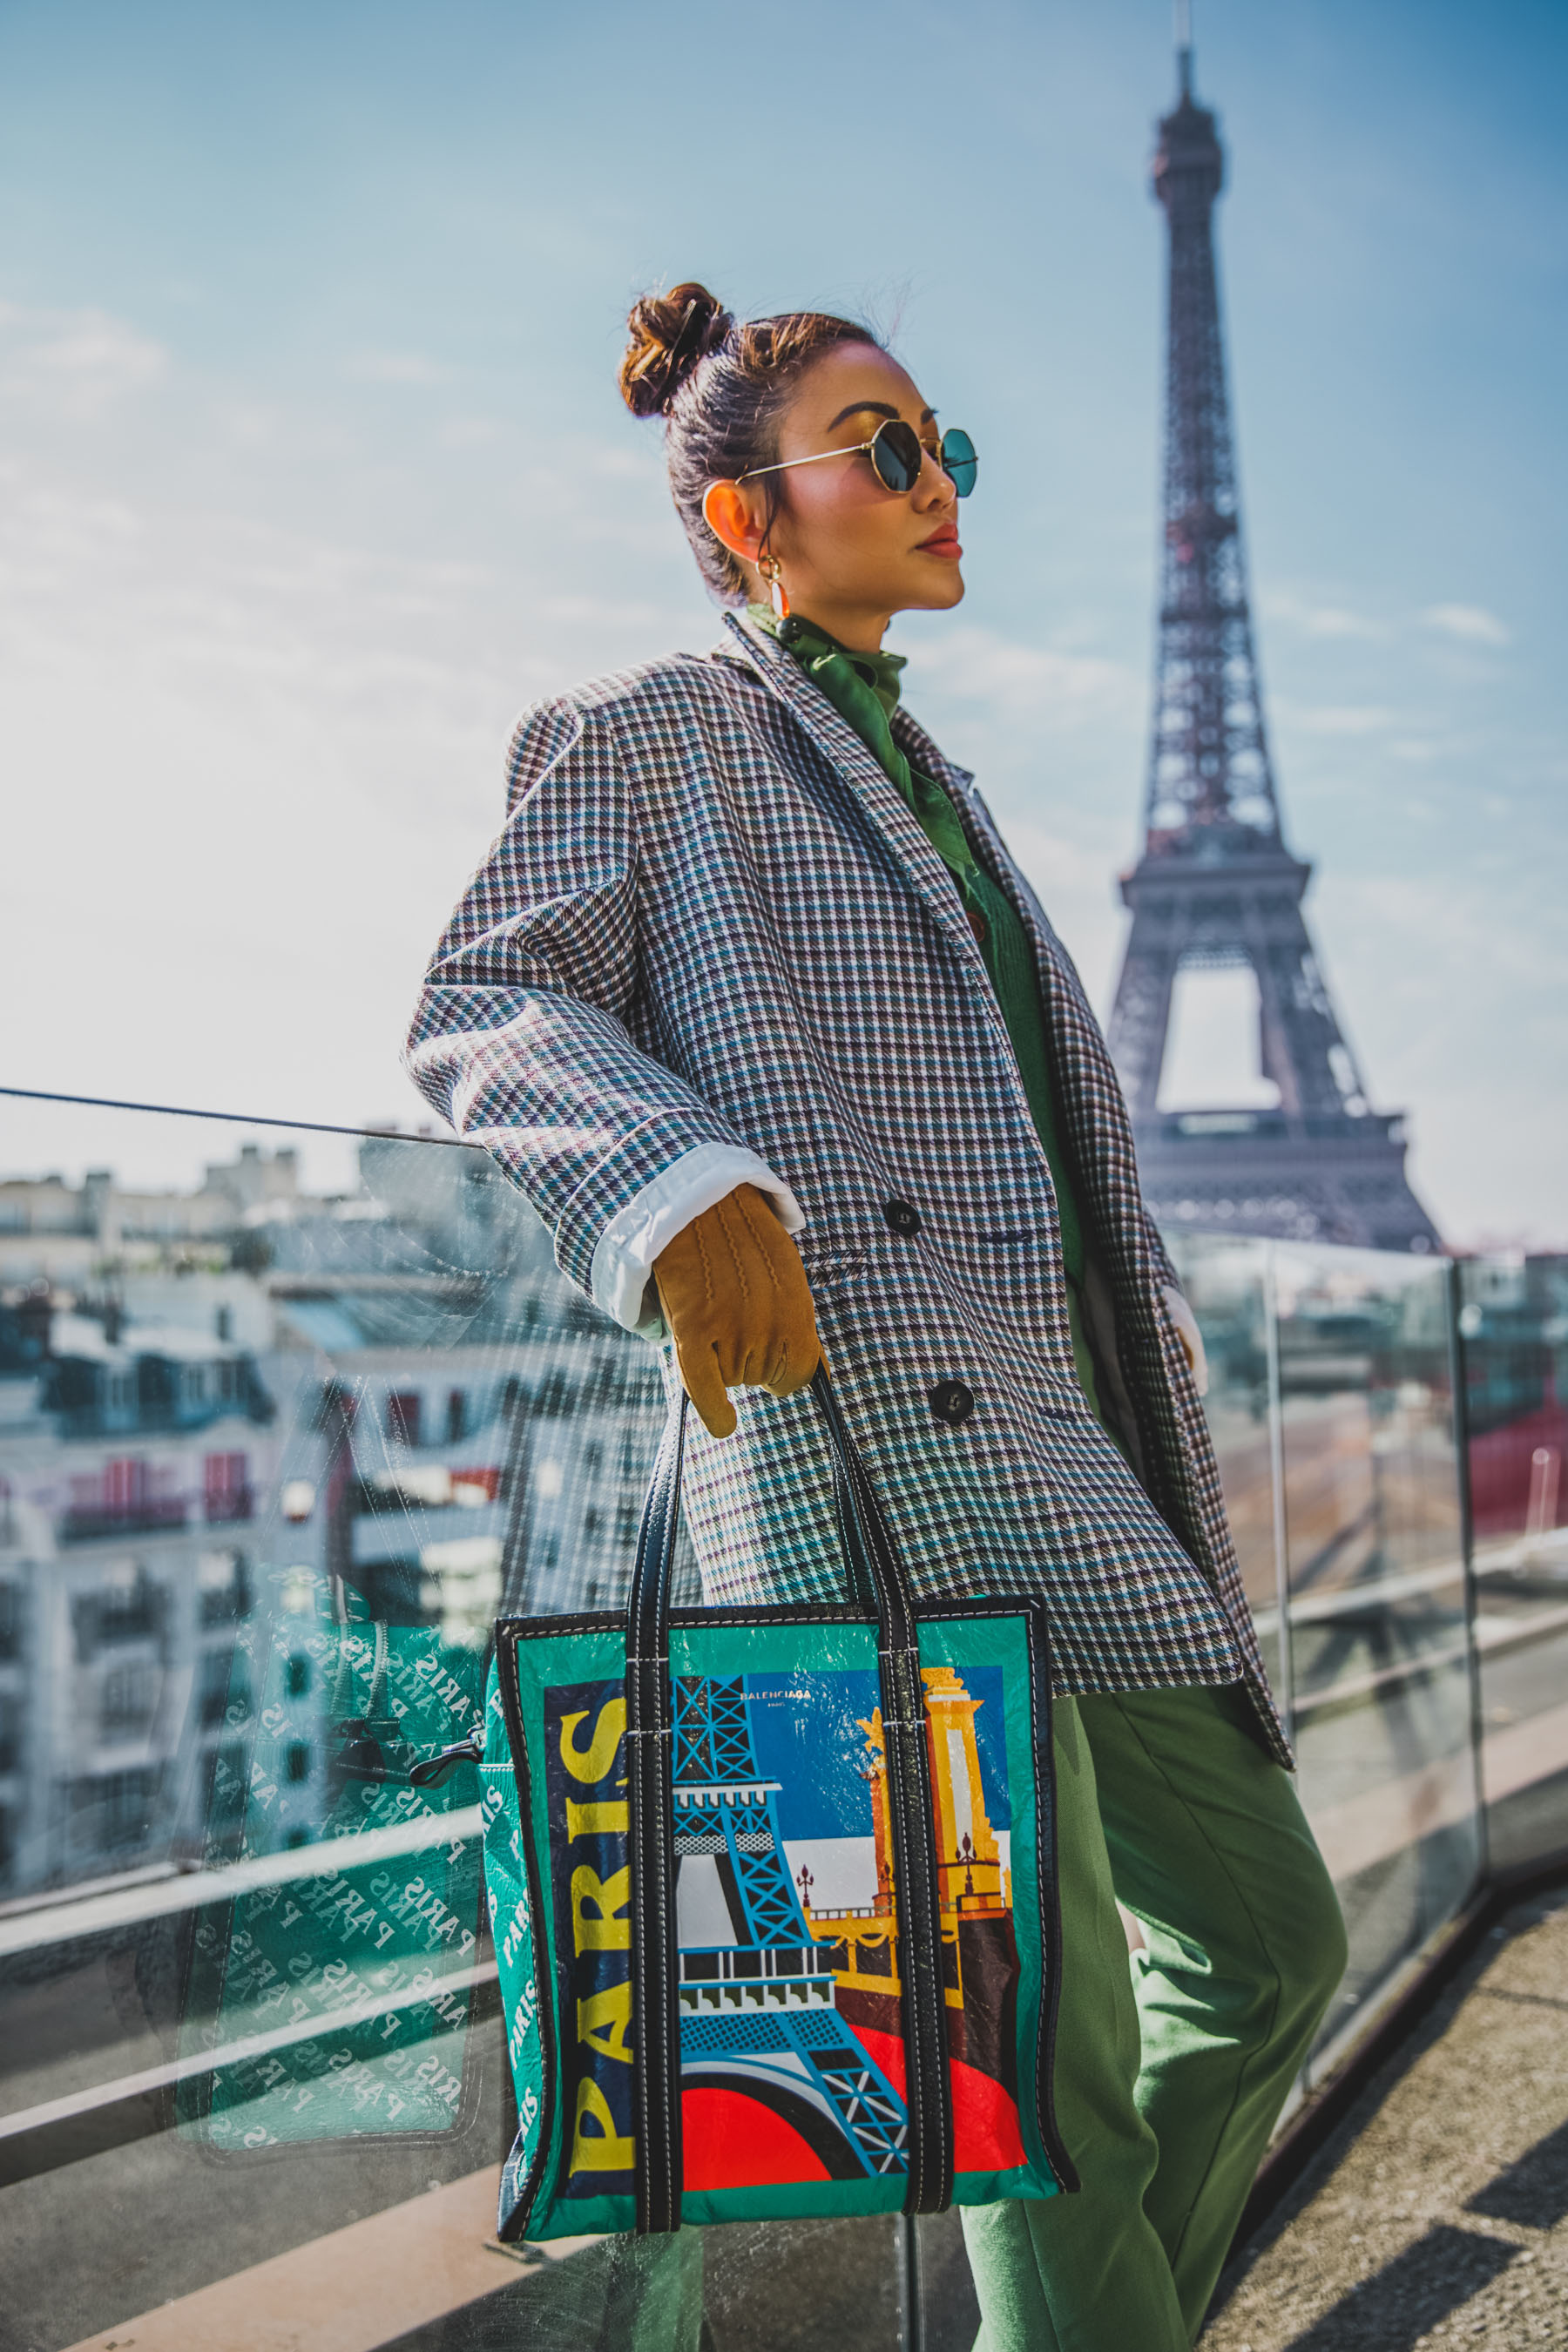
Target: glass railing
<point>285,1422</point>
<point>1332,1409</point>
<point>1513,1328</point>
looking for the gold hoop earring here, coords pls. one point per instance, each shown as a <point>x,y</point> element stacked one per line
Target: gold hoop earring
<point>768,565</point>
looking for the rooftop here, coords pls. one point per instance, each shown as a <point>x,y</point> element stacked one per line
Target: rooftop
<point>1438,2212</point>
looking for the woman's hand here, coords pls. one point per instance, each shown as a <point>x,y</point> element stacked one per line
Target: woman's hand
<point>738,1305</point>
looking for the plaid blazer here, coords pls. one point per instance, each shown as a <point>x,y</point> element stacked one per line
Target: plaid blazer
<point>710,920</point>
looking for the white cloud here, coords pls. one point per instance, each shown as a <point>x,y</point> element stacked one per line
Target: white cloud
<point>1315,620</point>
<point>1471,624</point>
<point>1023,681</point>
<point>1336,719</point>
<point>77,361</point>
<point>264,760</point>
<point>394,367</point>
<point>469,433</point>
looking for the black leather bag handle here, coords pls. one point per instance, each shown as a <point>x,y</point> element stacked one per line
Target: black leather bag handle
<point>878,1582</point>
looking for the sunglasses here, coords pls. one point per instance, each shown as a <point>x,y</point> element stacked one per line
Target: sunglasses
<point>897,453</point>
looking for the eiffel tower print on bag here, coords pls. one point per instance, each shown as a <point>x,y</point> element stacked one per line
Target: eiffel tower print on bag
<point>772,1894</point>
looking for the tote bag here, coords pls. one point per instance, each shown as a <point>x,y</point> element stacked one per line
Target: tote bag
<point>772,1895</point>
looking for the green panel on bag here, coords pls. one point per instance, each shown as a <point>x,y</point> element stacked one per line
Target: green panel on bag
<point>792,2052</point>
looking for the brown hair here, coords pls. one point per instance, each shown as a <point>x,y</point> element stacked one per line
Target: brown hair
<point>722,389</point>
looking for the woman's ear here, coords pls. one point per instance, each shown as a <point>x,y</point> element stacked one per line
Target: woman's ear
<point>728,512</point>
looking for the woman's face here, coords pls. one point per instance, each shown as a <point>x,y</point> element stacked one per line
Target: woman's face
<point>851,552</point>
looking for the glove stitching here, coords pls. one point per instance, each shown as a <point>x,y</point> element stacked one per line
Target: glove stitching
<point>763,1250</point>
<point>697,1236</point>
<point>735,1256</point>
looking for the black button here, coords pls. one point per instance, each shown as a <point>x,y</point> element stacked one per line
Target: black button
<point>902,1218</point>
<point>951,1401</point>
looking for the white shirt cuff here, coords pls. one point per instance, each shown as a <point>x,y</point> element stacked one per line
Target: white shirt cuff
<point>622,1275</point>
<point>1186,1324</point>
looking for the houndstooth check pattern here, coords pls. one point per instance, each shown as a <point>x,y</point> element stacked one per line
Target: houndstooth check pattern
<point>710,918</point>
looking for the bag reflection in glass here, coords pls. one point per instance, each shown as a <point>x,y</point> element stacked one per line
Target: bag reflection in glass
<point>335,1991</point>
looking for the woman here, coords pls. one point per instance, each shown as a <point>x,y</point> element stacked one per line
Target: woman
<point>751,1002</point>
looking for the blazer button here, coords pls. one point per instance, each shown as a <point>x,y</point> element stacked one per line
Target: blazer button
<point>902,1218</point>
<point>951,1401</point>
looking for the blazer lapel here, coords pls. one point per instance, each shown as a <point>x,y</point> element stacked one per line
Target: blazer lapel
<point>1063,990</point>
<point>1092,1101</point>
<point>837,740</point>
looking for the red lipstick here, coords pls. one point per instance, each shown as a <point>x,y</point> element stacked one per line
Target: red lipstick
<point>941,543</point>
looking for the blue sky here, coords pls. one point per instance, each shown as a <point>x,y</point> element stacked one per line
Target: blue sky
<point>314,471</point>
<point>807,1733</point>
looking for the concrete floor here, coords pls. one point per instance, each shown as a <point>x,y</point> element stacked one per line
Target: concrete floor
<point>1438,2214</point>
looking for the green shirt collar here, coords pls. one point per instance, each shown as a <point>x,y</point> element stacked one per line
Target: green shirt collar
<point>820,656</point>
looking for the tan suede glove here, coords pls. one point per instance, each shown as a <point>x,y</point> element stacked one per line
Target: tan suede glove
<point>738,1305</point>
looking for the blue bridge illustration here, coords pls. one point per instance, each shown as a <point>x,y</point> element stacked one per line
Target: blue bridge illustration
<point>759,2014</point>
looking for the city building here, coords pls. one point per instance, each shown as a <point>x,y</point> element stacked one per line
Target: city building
<point>233,1413</point>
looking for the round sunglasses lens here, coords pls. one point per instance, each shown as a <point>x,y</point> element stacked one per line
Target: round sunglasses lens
<point>895,454</point>
<point>959,462</point>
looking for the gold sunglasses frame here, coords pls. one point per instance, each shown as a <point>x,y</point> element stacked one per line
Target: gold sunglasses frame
<point>855,450</point>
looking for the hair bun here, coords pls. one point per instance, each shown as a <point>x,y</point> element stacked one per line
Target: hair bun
<point>667,334</point>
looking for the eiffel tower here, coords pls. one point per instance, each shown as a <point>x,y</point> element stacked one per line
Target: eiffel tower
<point>1216,885</point>
<point>759,2014</point>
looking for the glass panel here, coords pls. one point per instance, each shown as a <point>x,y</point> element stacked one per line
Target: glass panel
<point>1378,1596</point>
<point>1514,1321</point>
<point>284,1421</point>
<point>1227,1288</point>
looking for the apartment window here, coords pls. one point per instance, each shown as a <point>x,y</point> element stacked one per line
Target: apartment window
<point>297,1762</point>
<point>129,1607</point>
<point>223,1587</point>
<point>122,1805</point>
<point>213,1699</point>
<point>128,1700</point>
<point>226,1488</point>
<point>456,1416</point>
<point>403,1417</point>
<point>10,1620</point>
<point>297,1678</point>
<point>126,1487</point>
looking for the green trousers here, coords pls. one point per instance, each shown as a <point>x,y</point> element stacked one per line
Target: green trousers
<point>1170,2074</point>
<point>1170,2071</point>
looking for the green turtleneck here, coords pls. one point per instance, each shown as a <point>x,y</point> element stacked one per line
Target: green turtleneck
<point>864,689</point>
